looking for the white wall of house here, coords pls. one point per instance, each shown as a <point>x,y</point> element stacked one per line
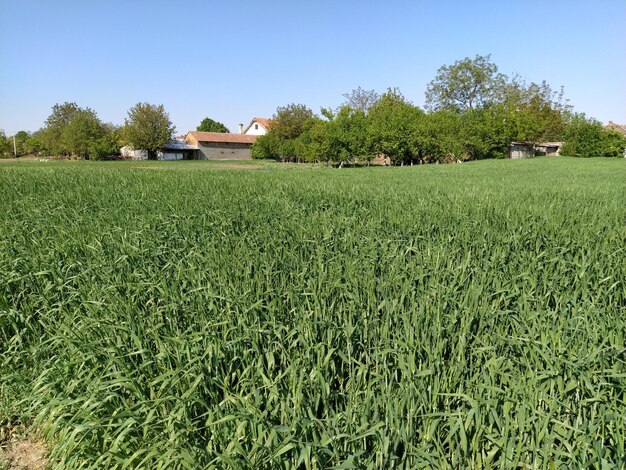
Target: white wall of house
<point>256,129</point>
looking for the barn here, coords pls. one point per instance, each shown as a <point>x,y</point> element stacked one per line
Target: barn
<point>221,146</point>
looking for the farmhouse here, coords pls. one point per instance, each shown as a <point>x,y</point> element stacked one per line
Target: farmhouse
<point>258,126</point>
<point>227,146</point>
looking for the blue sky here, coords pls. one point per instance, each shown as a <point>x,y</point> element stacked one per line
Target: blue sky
<point>232,60</point>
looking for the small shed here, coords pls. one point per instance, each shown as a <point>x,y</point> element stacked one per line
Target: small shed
<point>521,150</point>
<point>548,148</point>
<point>177,150</point>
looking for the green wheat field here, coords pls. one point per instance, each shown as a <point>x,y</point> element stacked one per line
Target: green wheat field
<point>258,315</point>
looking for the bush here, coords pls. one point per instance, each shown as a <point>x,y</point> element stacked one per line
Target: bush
<point>587,138</point>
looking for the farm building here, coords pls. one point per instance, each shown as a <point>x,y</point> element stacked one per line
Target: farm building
<point>528,149</point>
<point>521,150</point>
<point>175,150</point>
<point>207,145</point>
<point>548,148</point>
<point>220,146</point>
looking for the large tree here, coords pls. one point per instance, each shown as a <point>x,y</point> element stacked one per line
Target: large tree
<point>209,125</point>
<point>148,127</point>
<point>51,136</point>
<point>69,130</point>
<point>81,132</point>
<point>392,125</point>
<point>466,84</point>
<point>534,112</point>
<point>585,137</point>
<point>290,121</point>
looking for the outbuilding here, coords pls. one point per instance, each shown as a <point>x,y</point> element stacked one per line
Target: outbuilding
<point>174,150</point>
<point>221,146</point>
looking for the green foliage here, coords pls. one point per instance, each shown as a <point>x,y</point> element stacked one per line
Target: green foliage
<point>266,147</point>
<point>534,113</point>
<point>209,125</point>
<point>71,131</point>
<point>148,127</point>
<point>106,146</point>
<point>5,145</point>
<point>290,121</point>
<point>51,136</point>
<point>466,84</point>
<point>83,130</point>
<point>371,319</point>
<point>585,137</point>
<point>475,113</point>
<point>392,129</point>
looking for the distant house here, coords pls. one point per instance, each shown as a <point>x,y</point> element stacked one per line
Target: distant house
<point>220,146</point>
<point>529,149</point>
<point>258,126</point>
<point>612,126</point>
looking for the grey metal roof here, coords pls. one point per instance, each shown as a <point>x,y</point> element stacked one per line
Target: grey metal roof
<point>177,144</point>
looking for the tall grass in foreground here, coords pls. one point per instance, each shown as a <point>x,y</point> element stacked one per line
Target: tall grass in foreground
<point>466,316</point>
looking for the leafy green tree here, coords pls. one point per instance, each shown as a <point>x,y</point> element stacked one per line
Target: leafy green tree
<point>534,112</point>
<point>313,145</point>
<point>21,142</point>
<point>69,130</point>
<point>4,145</point>
<point>52,136</point>
<point>148,127</point>
<point>438,135</point>
<point>108,145</point>
<point>346,136</point>
<point>289,121</point>
<point>82,131</point>
<point>585,137</point>
<point>266,147</point>
<point>209,125</point>
<point>466,84</point>
<point>392,127</point>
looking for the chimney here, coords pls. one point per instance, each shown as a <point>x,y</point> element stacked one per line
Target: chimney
<point>241,128</point>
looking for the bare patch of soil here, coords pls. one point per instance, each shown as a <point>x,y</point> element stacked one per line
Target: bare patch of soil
<point>24,454</point>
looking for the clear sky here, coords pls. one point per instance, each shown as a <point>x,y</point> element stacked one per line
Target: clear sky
<point>232,60</point>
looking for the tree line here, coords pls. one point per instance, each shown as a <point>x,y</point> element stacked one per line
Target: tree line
<point>472,112</point>
<point>72,131</point>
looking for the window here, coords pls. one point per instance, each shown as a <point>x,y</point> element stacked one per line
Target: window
<point>256,126</point>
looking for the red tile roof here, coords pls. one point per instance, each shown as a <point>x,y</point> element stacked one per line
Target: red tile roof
<point>222,137</point>
<point>265,122</point>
